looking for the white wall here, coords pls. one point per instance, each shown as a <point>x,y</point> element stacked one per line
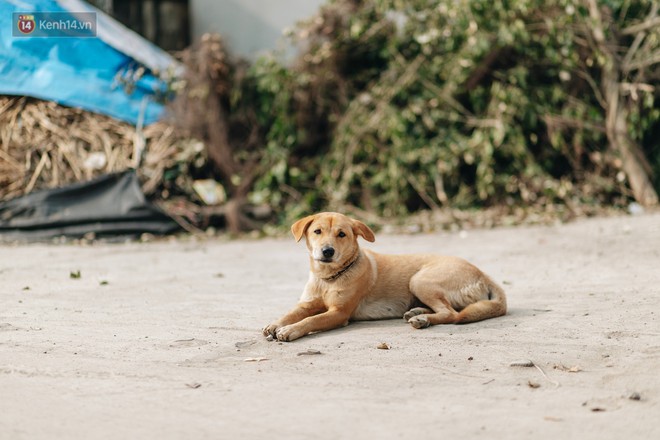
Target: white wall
<point>249,26</point>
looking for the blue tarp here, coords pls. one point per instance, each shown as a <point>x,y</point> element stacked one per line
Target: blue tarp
<point>79,71</point>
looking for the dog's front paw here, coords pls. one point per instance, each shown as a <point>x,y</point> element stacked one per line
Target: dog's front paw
<point>419,321</point>
<point>270,330</point>
<point>288,333</point>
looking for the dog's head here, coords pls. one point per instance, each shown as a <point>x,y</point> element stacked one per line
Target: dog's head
<point>331,237</point>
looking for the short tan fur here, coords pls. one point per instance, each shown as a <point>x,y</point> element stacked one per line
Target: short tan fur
<point>349,283</point>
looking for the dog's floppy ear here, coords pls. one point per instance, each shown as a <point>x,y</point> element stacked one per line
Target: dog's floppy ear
<point>300,227</point>
<point>360,228</point>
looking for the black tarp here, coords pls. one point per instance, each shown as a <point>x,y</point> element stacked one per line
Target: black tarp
<point>110,205</point>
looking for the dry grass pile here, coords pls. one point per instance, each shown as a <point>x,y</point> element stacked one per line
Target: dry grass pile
<point>45,145</point>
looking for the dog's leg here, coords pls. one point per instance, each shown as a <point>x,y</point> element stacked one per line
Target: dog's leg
<point>317,323</point>
<point>428,289</point>
<point>301,311</point>
<point>492,307</point>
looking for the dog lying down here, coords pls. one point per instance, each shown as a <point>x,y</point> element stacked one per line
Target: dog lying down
<point>348,283</point>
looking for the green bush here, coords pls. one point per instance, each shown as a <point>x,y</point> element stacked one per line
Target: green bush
<point>399,106</point>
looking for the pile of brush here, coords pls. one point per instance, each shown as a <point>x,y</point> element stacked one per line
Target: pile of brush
<point>45,145</point>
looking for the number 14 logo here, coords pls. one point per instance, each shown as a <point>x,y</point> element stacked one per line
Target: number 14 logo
<point>26,23</point>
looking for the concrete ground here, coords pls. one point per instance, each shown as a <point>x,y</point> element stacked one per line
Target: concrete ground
<point>163,341</point>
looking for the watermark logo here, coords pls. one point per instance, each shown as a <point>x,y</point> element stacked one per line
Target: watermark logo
<point>26,24</point>
<point>54,24</point>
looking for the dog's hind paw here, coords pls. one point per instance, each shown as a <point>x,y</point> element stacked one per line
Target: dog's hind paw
<point>419,321</point>
<point>414,312</point>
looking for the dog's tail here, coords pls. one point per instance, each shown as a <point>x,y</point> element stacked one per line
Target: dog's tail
<point>492,307</point>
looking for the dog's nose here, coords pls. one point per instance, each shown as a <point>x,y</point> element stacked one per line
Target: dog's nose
<point>328,252</point>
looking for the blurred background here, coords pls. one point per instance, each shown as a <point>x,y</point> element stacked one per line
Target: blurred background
<point>245,115</point>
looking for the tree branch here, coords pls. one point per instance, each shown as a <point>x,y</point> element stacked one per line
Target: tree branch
<point>639,38</point>
<point>652,59</point>
<point>559,121</point>
<point>616,114</point>
<point>642,27</point>
<point>483,68</point>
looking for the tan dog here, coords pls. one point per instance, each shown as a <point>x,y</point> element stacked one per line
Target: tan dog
<point>348,283</point>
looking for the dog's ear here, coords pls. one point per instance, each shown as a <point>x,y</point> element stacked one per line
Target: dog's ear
<point>360,228</point>
<point>300,227</point>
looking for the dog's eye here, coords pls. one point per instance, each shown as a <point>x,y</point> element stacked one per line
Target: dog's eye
<point>317,231</point>
<point>341,234</point>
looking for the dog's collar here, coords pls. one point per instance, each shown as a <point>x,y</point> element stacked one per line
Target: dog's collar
<point>342,271</point>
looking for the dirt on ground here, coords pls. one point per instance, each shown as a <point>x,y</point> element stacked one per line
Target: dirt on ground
<point>163,340</point>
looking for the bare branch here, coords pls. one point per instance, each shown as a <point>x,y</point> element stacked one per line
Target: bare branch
<point>559,121</point>
<point>639,38</point>
<point>633,89</point>
<point>641,27</point>
<point>633,48</point>
<point>484,67</point>
<point>597,29</point>
<point>598,94</point>
<point>654,58</point>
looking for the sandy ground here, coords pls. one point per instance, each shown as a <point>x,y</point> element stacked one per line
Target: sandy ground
<point>162,341</point>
